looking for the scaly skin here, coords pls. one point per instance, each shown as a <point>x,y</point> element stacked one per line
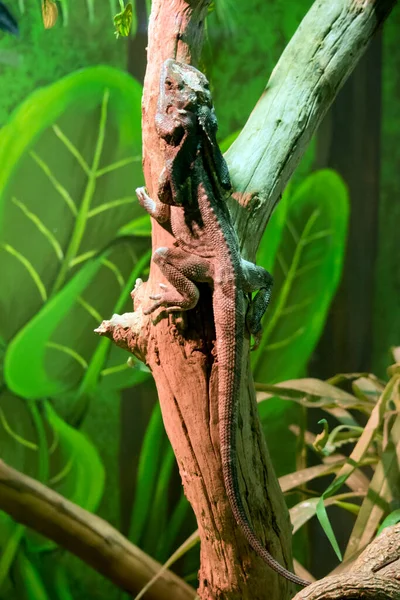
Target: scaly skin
<point>191,204</point>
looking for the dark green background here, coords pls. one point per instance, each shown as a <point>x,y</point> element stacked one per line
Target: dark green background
<point>241,49</point>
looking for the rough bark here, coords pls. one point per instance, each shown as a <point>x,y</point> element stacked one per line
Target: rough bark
<point>179,350</point>
<point>375,575</point>
<point>87,536</point>
<point>314,66</point>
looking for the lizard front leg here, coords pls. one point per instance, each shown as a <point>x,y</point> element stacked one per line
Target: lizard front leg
<point>256,279</point>
<point>156,209</point>
<point>181,269</point>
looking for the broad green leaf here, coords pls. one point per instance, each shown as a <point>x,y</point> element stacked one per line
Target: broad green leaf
<point>83,481</point>
<point>119,373</point>
<point>28,348</point>
<point>71,156</point>
<point>77,472</point>
<point>272,239</point>
<point>23,438</point>
<point>60,582</point>
<point>306,270</point>
<point>115,373</point>
<point>23,445</point>
<point>18,438</point>
<point>102,425</point>
<point>147,476</point>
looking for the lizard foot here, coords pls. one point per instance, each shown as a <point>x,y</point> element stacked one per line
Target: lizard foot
<point>257,339</point>
<point>168,298</point>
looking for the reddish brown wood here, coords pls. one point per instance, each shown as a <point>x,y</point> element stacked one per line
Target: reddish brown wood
<point>180,356</point>
<point>179,350</point>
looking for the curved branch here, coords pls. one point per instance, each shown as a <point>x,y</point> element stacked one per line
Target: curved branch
<point>87,536</point>
<point>315,64</point>
<point>375,575</point>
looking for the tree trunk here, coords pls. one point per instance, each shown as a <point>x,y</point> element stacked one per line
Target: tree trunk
<point>180,349</point>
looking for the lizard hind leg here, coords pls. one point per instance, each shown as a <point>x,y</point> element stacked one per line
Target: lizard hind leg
<point>256,279</point>
<point>181,269</point>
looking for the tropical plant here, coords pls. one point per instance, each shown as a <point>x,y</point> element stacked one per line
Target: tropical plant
<point>366,418</point>
<point>67,245</point>
<point>368,468</point>
<point>70,159</point>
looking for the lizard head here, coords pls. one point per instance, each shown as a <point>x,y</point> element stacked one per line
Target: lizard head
<point>184,86</point>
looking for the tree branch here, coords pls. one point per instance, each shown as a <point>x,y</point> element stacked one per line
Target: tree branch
<point>181,358</point>
<point>312,69</point>
<point>87,536</point>
<point>375,575</point>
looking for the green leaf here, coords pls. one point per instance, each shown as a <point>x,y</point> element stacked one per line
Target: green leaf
<point>306,270</point>
<point>84,482</point>
<point>29,347</point>
<point>147,476</point>
<point>29,583</point>
<point>352,508</point>
<point>272,240</point>
<point>11,536</point>
<point>108,369</point>
<point>159,505</point>
<point>303,247</point>
<point>23,442</point>
<point>73,144</point>
<point>77,472</point>
<point>321,438</point>
<point>323,516</point>
<point>124,21</point>
<point>390,520</point>
<point>140,227</point>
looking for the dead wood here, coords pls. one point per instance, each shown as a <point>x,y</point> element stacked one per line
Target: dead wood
<point>375,575</point>
<point>179,350</point>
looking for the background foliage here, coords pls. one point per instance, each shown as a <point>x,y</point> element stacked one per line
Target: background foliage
<point>104,433</point>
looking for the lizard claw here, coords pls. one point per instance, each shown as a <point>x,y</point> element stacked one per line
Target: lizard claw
<point>159,296</point>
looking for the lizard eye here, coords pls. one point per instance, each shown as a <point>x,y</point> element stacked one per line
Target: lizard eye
<point>168,84</point>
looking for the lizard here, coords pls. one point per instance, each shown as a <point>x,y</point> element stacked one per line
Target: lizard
<point>191,204</point>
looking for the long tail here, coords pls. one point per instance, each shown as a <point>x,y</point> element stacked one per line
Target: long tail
<point>229,351</point>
